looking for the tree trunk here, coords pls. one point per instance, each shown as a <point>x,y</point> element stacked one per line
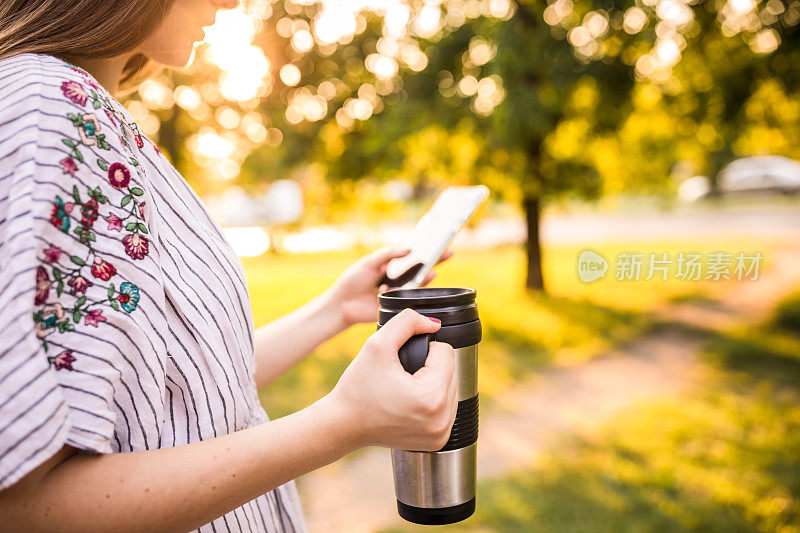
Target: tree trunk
<point>534,279</point>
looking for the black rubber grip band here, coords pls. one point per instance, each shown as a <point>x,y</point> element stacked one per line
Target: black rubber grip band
<point>436,516</point>
<point>465,427</point>
<point>457,336</point>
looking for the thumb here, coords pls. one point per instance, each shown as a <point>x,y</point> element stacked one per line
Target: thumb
<point>402,326</point>
<point>382,256</point>
<point>439,366</point>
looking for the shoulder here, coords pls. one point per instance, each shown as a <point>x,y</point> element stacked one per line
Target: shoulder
<point>45,100</point>
<point>40,83</point>
<point>66,142</point>
<point>58,115</point>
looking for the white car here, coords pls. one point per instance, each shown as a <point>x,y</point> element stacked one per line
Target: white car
<point>758,174</point>
<point>771,173</point>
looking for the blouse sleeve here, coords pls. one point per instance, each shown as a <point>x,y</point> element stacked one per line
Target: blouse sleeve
<point>74,252</point>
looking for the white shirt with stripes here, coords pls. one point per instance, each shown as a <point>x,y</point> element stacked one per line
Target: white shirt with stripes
<point>124,313</point>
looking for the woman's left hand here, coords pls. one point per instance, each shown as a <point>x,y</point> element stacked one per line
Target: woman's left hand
<point>355,291</point>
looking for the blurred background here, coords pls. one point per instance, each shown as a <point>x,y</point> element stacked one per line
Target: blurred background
<point>651,129</point>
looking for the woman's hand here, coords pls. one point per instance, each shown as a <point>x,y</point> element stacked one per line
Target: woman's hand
<point>355,292</point>
<point>386,406</point>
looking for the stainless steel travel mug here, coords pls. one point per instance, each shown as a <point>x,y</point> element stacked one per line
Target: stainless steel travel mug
<point>439,487</point>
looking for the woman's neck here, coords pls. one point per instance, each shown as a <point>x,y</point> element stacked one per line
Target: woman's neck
<point>105,71</point>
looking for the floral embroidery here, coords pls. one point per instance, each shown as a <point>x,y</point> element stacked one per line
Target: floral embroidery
<point>60,215</point>
<point>84,276</point>
<point>43,285</point>
<point>102,269</point>
<point>110,116</point>
<point>114,222</point>
<point>63,360</point>
<point>79,284</point>
<point>118,175</point>
<point>68,166</point>
<point>74,91</point>
<point>86,75</point>
<point>89,213</point>
<point>100,100</point>
<point>136,246</point>
<point>89,210</point>
<point>49,317</point>
<point>89,130</point>
<point>137,137</point>
<point>52,254</point>
<point>128,296</point>
<point>94,317</point>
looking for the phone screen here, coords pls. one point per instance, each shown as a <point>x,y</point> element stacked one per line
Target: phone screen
<point>433,233</point>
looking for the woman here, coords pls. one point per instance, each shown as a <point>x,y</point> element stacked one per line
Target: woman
<point>125,315</point>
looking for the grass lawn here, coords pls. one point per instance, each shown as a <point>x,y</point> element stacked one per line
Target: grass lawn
<point>523,332</point>
<point>724,457</point>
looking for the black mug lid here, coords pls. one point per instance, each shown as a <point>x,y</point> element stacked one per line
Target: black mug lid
<point>451,305</point>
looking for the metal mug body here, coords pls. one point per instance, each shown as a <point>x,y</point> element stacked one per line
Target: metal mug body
<point>439,487</point>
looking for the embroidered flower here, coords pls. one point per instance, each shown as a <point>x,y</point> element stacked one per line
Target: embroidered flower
<point>88,129</point>
<point>63,360</point>
<point>128,296</point>
<point>139,141</point>
<point>79,284</point>
<point>43,285</point>
<point>79,70</point>
<point>102,269</point>
<point>111,117</point>
<point>74,91</point>
<point>52,315</point>
<point>136,246</point>
<point>94,317</point>
<point>141,210</point>
<point>60,214</point>
<point>114,222</point>
<point>52,254</point>
<point>89,211</point>
<point>68,166</point>
<point>118,175</point>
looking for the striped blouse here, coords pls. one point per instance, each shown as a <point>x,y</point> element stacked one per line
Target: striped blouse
<point>125,317</point>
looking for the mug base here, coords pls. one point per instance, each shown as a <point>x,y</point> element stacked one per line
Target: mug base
<point>436,516</point>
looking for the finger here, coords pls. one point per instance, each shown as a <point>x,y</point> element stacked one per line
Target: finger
<point>445,256</point>
<point>383,255</point>
<point>428,278</point>
<point>383,288</point>
<point>440,364</point>
<point>452,395</point>
<point>402,327</point>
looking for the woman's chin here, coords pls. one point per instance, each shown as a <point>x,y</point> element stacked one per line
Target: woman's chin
<point>176,59</point>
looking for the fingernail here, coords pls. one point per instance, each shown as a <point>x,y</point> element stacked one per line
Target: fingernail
<point>434,320</point>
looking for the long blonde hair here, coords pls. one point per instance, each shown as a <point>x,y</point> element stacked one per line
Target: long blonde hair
<point>83,29</point>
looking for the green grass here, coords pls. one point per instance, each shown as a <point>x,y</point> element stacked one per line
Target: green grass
<point>722,461</point>
<point>787,314</point>
<point>723,457</point>
<point>524,332</point>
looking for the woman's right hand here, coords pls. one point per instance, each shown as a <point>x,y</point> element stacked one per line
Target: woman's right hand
<point>386,406</point>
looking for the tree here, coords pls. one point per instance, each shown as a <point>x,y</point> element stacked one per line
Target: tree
<point>537,99</point>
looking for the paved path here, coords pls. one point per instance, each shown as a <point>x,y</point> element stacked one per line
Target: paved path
<point>357,495</point>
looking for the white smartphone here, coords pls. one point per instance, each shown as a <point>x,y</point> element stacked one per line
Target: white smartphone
<point>433,234</point>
